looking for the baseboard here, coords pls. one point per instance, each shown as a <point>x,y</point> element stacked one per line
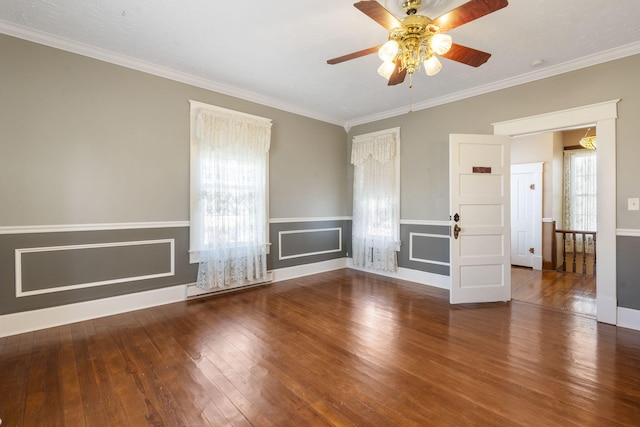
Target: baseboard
<point>17,323</point>
<point>308,269</point>
<point>33,320</point>
<point>607,309</point>
<point>417,276</point>
<point>629,318</point>
<point>424,278</point>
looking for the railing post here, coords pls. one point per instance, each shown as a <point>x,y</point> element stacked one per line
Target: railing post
<point>573,264</point>
<point>594,254</point>
<point>584,253</point>
<point>554,247</point>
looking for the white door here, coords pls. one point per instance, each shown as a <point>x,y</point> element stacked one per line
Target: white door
<point>479,172</point>
<point>522,187</point>
<point>526,215</point>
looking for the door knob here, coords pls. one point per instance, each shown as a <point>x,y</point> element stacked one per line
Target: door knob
<point>456,231</point>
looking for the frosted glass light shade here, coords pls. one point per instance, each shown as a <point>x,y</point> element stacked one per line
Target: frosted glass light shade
<point>441,43</point>
<point>386,69</point>
<point>589,142</point>
<point>388,51</point>
<point>432,66</point>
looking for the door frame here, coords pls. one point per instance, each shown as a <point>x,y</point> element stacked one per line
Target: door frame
<point>603,115</point>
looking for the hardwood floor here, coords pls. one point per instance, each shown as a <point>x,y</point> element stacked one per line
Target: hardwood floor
<point>341,348</point>
<point>571,292</point>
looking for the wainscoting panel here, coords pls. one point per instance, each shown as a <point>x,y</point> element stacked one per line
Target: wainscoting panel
<point>295,243</point>
<point>424,247</point>
<point>59,268</point>
<point>48,269</point>
<point>307,241</point>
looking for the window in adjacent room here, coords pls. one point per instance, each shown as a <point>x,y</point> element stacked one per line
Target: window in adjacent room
<point>229,196</point>
<point>376,199</point>
<point>580,197</point>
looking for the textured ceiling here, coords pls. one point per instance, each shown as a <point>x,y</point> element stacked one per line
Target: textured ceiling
<point>275,52</point>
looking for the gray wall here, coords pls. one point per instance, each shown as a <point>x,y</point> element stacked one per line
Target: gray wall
<point>84,141</point>
<point>425,133</point>
<point>87,142</point>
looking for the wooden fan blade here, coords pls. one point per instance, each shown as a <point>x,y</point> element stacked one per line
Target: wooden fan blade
<point>378,13</point>
<point>467,12</point>
<point>397,76</point>
<point>354,55</point>
<point>467,55</point>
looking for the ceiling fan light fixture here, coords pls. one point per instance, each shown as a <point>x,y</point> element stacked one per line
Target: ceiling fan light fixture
<point>386,69</point>
<point>588,142</point>
<point>441,43</point>
<point>432,66</point>
<point>388,51</point>
<point>415,40</point>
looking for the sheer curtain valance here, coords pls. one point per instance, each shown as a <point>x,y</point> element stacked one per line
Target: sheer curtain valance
<point>220,128</point>
<point>376,200</point>
<point>229,196</point>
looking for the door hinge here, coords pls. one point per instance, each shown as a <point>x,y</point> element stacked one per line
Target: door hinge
<point>532,186</point>
<point>532,250</point>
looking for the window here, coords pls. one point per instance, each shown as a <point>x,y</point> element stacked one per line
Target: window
<point>580,197</point>
<point>229,170</point>
<point>376,200</point>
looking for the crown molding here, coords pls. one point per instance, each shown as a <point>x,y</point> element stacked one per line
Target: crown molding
<point>565,67</point>
<point>83,49</point>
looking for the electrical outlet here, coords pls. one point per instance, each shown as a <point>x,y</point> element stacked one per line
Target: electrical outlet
<point>634,203</point>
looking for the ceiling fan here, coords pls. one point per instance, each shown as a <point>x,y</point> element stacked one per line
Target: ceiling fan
<point>417,40</point>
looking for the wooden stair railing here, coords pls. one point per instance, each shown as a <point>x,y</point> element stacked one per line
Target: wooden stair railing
<point>572,240</point>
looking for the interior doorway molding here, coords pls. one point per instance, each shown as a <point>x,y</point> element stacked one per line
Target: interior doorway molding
<point>603,115</point>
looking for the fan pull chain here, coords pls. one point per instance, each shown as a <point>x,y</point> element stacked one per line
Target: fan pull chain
<point>411,93</point>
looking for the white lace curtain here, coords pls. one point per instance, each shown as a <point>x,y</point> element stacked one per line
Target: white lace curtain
<point>230,196</point>
<point>376,200</point>
<point>580,196</point>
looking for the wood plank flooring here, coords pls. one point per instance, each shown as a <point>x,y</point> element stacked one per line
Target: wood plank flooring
<point>342,348</point>
<point>572,292</point>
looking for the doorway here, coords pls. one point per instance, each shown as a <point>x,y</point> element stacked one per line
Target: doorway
<point>603,115</point>
<point>561,177</point>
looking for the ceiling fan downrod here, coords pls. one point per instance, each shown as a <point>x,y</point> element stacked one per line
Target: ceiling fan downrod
<point>411,6</point>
